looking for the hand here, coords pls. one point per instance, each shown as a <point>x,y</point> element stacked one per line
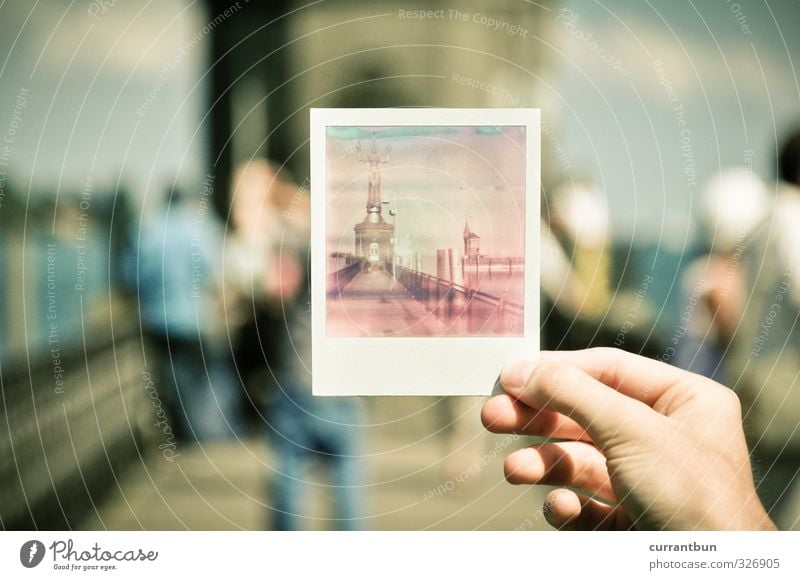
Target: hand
<point>647,445</point>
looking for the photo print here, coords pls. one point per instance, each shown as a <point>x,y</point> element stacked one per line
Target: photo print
<point>424,230</point>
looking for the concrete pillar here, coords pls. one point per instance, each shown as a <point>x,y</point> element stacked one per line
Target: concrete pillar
<point>451,265</point>
<point>441,265</point>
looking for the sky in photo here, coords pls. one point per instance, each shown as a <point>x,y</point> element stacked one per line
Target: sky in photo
<point>436,178</point>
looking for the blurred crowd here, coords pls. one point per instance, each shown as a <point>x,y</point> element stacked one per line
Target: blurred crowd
<point>246,360</point>
<point>739,304</point>
<point>155,223</point>
<point>224,306</point>
<point>201,283</point>
<point>228,311</point>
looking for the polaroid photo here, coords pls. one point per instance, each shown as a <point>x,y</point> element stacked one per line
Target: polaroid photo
<point>425,248</point>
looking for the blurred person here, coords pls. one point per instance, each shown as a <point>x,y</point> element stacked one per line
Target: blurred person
<point>645,445</point>
<point>464,441</point>
<point>579,219</point>
<point>254,320</point>
<point>733,205</point>
<point>171,263</point>
<point>269,250</point>
<point>764,361</point>
<point>575,265</point>
<point>559,283</point>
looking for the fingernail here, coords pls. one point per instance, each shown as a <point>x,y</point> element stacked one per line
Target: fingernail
<point>515,374</point>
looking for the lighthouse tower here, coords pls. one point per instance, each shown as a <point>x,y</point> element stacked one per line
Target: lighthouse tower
<point>373,235</point>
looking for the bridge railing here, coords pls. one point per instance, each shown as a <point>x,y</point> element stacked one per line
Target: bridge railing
<point>341,278</point>
<point>72,440</point>
<point>473,310</point>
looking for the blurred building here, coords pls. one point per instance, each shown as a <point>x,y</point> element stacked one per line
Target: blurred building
<point>276,60</point>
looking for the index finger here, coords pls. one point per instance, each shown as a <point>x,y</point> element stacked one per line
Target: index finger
<point>638,377</point>
<point>602,411</point>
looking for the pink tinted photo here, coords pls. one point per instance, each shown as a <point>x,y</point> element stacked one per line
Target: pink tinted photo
<point>425,231</point>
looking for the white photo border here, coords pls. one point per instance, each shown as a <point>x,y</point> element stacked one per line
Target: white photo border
<point>419,366</point>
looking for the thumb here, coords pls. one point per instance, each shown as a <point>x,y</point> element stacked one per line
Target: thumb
<point>604,413</point>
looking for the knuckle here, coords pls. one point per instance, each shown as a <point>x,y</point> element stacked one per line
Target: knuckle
<point>548,381</point>
<point>609,361</point>
<point>724,399</point>
<point>545,379</point>
<point>731,401</point>
<point>604,351</point>
<point>544,422</point>
<point>592,472</point>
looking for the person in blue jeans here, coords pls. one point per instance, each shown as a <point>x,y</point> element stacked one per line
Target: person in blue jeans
<point>267,251</point>
<point>303,430</point>
<point>170,264</point>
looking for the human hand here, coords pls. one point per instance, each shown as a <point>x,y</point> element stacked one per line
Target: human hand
<point>663,446</point>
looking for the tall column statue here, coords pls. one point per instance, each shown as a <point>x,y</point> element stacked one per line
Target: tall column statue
<point>374,160</point>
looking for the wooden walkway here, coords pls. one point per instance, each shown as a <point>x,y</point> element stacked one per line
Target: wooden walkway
<point>374,304</point>
<point>422,476</point>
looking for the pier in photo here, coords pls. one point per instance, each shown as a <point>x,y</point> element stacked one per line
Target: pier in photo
<point>410,262</point>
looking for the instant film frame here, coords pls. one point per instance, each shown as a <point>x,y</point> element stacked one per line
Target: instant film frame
<point>425,248</point>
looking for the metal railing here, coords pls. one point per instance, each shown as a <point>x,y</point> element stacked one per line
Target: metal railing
<point>341,278</point>
<point>70,445</point>
<point>471,311</point>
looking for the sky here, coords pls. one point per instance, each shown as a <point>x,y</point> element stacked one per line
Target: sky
<point>87,78</point>
<point>436,178</point>
<point>731,66</point>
